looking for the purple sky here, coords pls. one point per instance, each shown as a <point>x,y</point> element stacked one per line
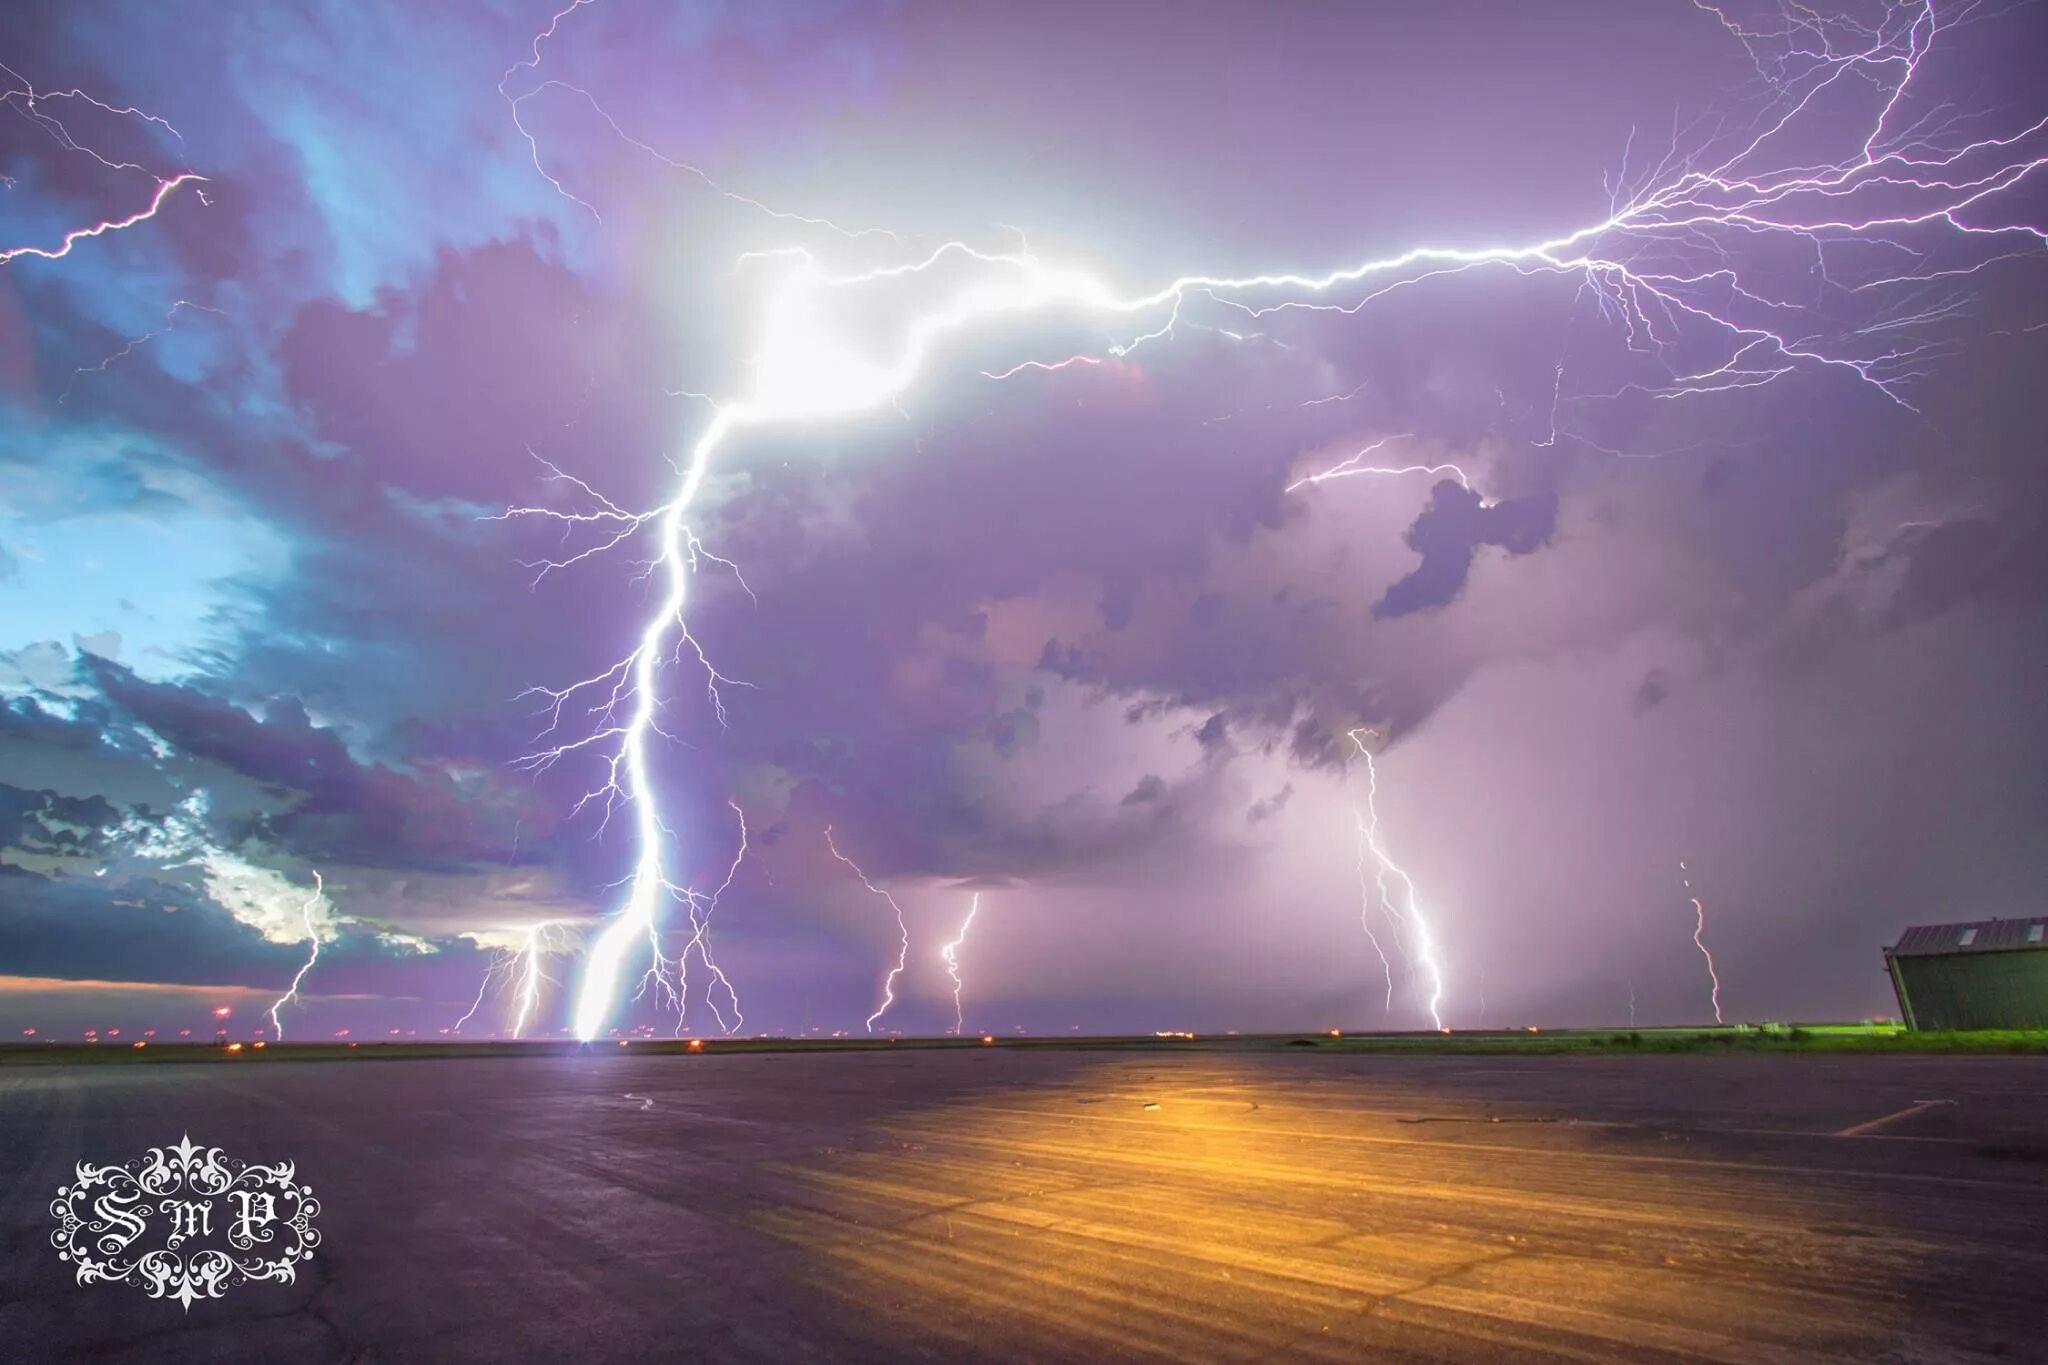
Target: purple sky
<point>1727,545</point>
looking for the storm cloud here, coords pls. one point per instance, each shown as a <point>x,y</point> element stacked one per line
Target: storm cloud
<point>1089,638</point>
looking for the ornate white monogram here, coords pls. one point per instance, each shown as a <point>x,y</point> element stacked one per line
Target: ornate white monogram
<point>185,1222</point>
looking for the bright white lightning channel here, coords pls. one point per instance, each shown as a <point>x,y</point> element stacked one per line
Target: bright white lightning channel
<point>902,930</point>
<point>1369,834</point>
<point>1662,264</point>
<point>312,937</point>
<point>523,966</point>
<point>1367,879</point>
<point>951,954</point>
<point>702,910</point>
<point>531,976</point>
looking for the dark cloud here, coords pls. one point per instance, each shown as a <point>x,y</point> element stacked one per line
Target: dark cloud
<point>144,930</point>
<point>1316,745</point>
<point>1151,788</point>
<point>1266,807</point>
<point>336,806</point>
<point>135,931</point>
<point>1654,688</point>
<point>54,824</point>
<point>1448,535</point>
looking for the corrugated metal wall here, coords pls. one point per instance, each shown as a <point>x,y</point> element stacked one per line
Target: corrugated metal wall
<point>1977,990</point>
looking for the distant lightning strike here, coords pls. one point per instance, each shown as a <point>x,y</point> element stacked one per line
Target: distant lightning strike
<point>312,937</point>
<point>1369,834</point>
<point>1699,929</point>
<point>902,930</point>
<point>531,976</point>
<point>702,909</point>
<point>951,954</point>
<point>1663,265</point>
<point>1366,883</point>
<point>490,975</point>
<point>522,967</point>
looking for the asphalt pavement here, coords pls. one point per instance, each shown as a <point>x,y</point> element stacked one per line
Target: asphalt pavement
<point>1007,1204</point>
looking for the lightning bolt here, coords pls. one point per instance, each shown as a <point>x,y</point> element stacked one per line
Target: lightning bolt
<point>169,325</point>
<point>1324,401</point>
<point>902,929</point>
<point>21,97</point>
<point>700,941</point>
<point>1368,832</point>
<point>490,974</point>
<point>312,937</point>
<point>1699,928</point>
<point>164,190</point>
<point>951,953</point>
<point>515,103</point>
<point>1365,904</point>
<point>1350,467</point>
<point>522,965</point>
<point>24,99</point>
<point>1664,267</point>
<point>658,978</point>
<point>531,976</point>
